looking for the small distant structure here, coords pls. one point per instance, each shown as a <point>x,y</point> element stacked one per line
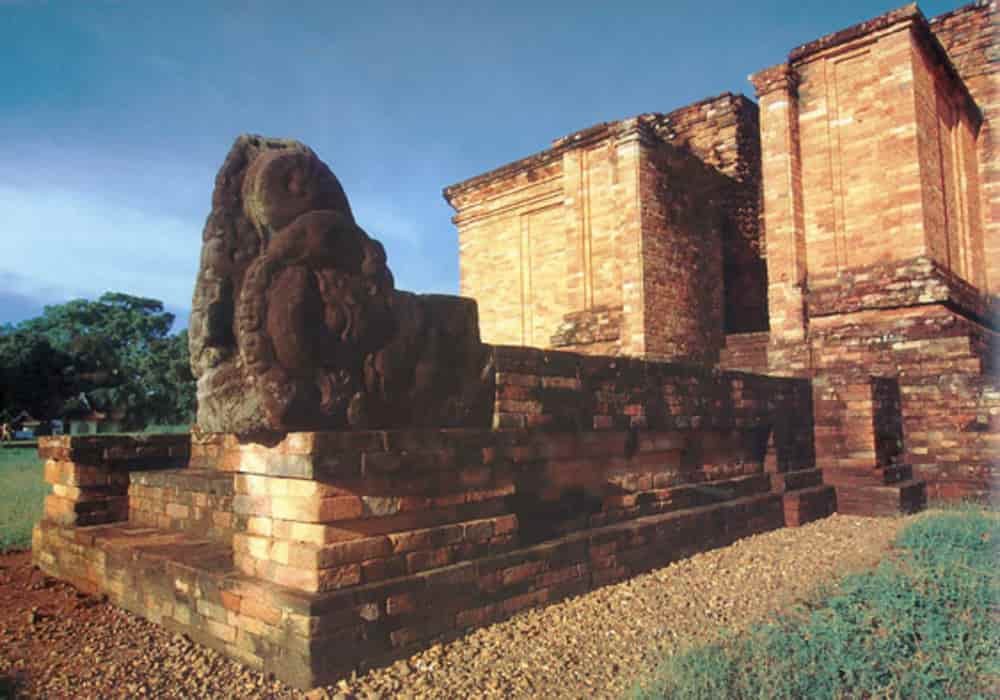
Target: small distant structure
<point>24,426</point>
<point>91,422</point>
<point>83,419</point>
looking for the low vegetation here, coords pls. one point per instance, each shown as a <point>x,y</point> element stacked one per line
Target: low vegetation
<point>22,496</point>
<point>924,624</point>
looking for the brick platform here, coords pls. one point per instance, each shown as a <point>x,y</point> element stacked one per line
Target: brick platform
<point>326,552</point>
<point>190,585</point>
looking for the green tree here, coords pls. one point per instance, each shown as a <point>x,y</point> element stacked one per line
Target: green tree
<point>34,376</point>
<point>119,355</point>
<point>165,377</point>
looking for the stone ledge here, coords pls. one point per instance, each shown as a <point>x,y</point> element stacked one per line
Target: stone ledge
<point>808,504</point>
<point>189,584</point>
<point>117,451</point>
<point>913,282</point>
<point>901,497</point>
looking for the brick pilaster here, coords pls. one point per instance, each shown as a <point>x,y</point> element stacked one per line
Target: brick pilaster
<point>784,227</point>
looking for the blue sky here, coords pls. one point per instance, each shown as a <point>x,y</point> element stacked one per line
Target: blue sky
<point>115,116</point>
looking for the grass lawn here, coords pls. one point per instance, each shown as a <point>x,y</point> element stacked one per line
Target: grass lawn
<point>924,624</point>
<point>22,493</point>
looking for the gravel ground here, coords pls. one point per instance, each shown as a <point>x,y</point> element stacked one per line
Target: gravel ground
<point>56,643</point>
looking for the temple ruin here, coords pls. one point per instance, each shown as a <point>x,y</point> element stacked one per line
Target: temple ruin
<point>843,228</point>
<point>676,330</point>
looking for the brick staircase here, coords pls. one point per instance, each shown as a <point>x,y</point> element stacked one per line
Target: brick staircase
<point>804,496</point>
<point>887,490</point>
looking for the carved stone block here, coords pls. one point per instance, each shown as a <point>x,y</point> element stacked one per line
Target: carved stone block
<point>296,324</point>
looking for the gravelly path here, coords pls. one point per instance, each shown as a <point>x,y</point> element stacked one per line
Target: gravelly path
<point>595,645</point>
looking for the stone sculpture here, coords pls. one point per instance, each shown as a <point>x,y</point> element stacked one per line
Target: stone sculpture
<point>296,324</point>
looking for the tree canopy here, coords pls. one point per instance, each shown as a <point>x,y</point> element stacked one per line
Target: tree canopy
<point>114,355</point>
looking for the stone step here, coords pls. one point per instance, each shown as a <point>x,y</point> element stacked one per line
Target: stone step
<point>376,555</point>
<point>537,522</point>
<point>782,482</point>
<point>867,476</point>
<point>189,585</point>
<point>907,496</point>
<point>704,493</point>
<point>207,481</point>
<point>85,556</point>
<point>310,566</point>
<point>194,501</point>
<point>805,505</point>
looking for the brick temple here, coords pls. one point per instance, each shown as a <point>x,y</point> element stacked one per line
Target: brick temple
<point>695,326</point>
<point>845,229</point>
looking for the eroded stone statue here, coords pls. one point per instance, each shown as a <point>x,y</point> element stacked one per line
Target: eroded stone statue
<point>295,322</point>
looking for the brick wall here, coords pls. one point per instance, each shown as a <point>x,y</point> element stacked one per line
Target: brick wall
<point>596,331</point>
<point>877,164</point>
<point>746,352</point>
<point>325,511</point>
<point>952,434</point>
<point>617,439</point>
<point>343,548</point>
<point>724,133</point>
<point>444,579</point>
<point>782,215</point>
<point>902,283</point>
<point>858,422</point>
<point>681,261</point>
<point>495,224</point>
<point>948,122</point>
<point>550,238</point>
<point>870,155</point>
<point>857,136</point>
<point>943,363</point>
<point>969,36</point>
<point>565,391</point>
<point>90,474</point>
<point>197,501</point>
<point>547,235</point>
<point>308,640</point>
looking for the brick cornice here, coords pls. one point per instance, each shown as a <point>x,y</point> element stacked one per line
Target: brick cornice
<point>780,77</point>
<point>906,13</point>
<point>902,283</point>
<point>922,30</point>
<point>907,16</point>
<point>622,131</point>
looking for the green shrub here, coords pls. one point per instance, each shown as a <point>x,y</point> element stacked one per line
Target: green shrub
<point>923,624</point>
<point>22,496</point>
